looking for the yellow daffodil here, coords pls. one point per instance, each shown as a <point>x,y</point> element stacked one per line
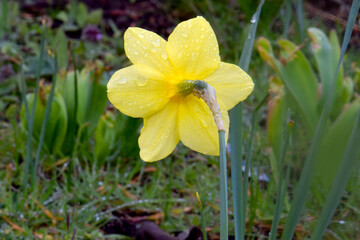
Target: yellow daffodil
<point>153,88</point>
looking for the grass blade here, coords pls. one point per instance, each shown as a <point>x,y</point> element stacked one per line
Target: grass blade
<point>236,134</point>
<point>341,180</point>
<point>3,21</point>
<point>74,127</point>
<point>30,119</point>
<point>287,18</point>
<point>202,216</point>
<point>44,124</point>
<point>301,19</point>
<point>281,187</point>
<point>307,172</point>
<point>249,44</point>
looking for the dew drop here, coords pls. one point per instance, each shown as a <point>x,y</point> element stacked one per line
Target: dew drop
<point>202,29</point>
<point>141,81</point>
<point>136,53</point>
<point>253,20</point>
<point>204,123</point>
<point>197,48</point>
<point>185,35</point>
<point>122,80</point>
<point>138,41</point>
<point>140,35</point>
<point>146,54</point>
<point>164,56</point>
<point>156,43</point>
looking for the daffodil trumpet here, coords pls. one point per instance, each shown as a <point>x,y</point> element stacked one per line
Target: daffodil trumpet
<point>203,90</point>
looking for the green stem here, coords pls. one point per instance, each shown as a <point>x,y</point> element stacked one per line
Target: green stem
<point>223,188</point>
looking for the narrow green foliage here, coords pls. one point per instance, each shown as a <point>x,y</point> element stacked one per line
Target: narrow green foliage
<point>308,170</point>
<point>287,18</point>
<point>74,127</point>
<point>28,157</point>
<point>202,216</point>
<point>341,180</point>
<point>282,183</point>
<point>223,188</point>
<point>44,124</point>
<point>3,19</point>
<point>301,19</point>
<point>249,44</point>
<point>236,135</point>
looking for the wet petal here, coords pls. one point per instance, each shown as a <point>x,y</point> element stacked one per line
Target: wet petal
<point>147,51</point>
<point>231,84</point>
<point>193,49</point>
<point>197,127</point>
<point>159,135</point>
<point>136,95</point>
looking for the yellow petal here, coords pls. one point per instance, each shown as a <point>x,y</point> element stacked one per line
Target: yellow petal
<point>193,49</point>
<point>136,95</point>
<point>197,127</point>
<point>159,135</point>
<point>147,51</point>
<point>231,84</point>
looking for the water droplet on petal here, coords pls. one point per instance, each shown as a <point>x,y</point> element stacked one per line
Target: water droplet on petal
<point>138,41</point>
<point>156,43</point>
<point>122,80</point>
<point>202,29</point>
<point>164,56</point>
<point>185,35</point>
<point>140,35</point>
<point>146,54</point>
<point>136,53</point>
<point>141,81</point>
<point>197,48</point>
<point>204,123</point>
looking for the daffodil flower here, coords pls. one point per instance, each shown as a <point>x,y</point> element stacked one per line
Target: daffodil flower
<point>155,88</point>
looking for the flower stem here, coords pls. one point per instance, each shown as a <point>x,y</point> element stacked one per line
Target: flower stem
<point>223,188</point>
<point>203,90</point>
